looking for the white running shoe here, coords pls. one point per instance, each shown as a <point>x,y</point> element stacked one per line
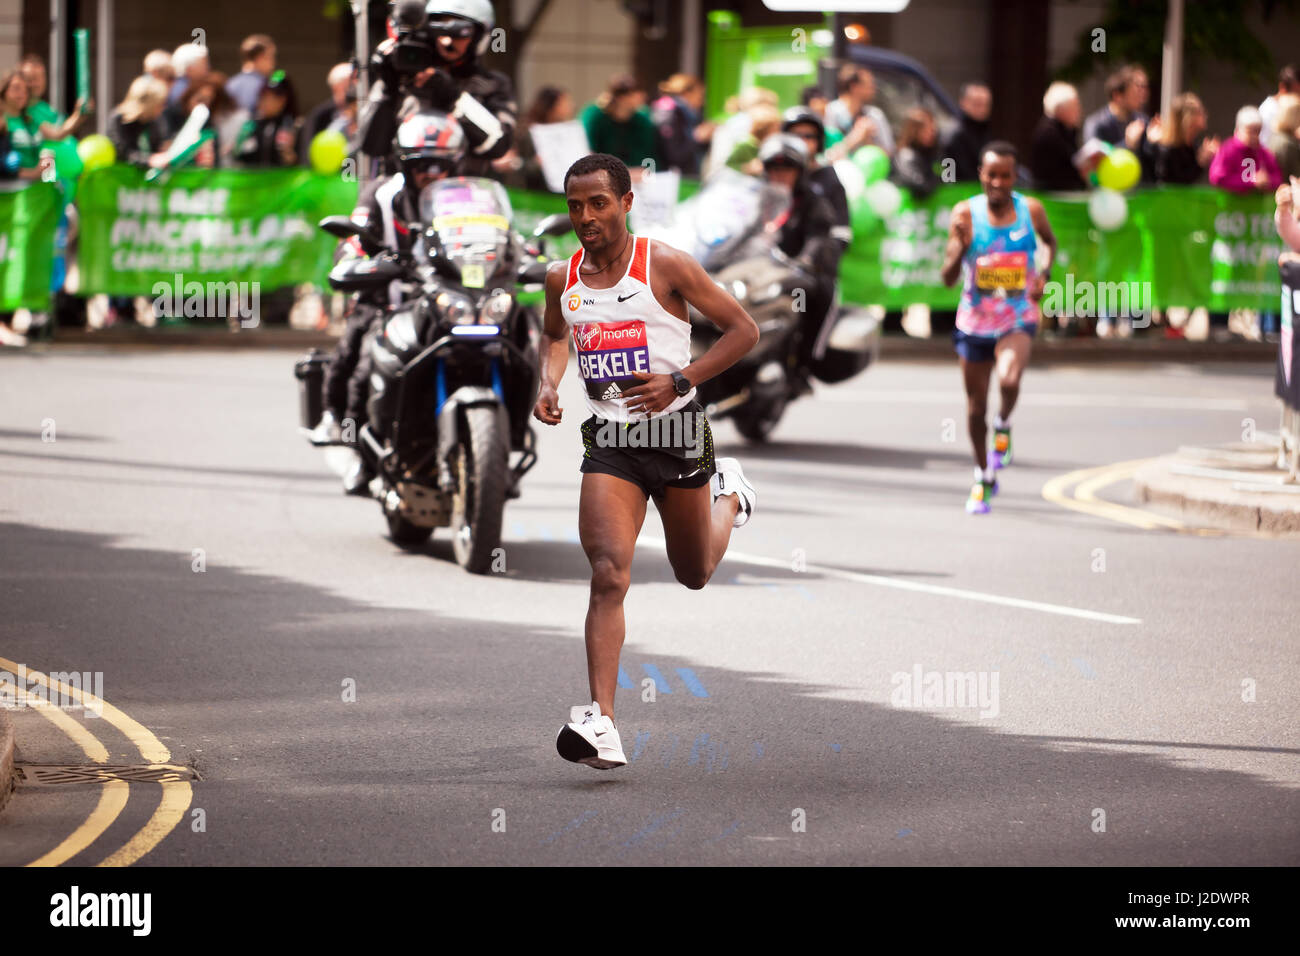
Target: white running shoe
<point>327,430</point>
<point>590,738</point>
<point>730,480</point>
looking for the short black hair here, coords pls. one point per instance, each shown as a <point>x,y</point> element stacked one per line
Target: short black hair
<point>810,93</point>
<point>998,147</point>
<point>1287,76</point>
<point>619,178</point>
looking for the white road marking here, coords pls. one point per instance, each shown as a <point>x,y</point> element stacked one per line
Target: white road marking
<point>903,585</point>
<point>898,396</point>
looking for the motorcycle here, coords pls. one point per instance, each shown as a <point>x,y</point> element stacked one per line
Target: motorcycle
<point>453,371</point>
<point>729,228</point>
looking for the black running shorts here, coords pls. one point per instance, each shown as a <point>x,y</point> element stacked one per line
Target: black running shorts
<point>672,450</point>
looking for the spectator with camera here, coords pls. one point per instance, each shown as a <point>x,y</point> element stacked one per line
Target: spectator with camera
<point>432,63</point>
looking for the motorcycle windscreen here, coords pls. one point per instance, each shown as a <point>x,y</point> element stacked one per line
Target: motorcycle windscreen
<point>472,220</point>
<point>730,213</point>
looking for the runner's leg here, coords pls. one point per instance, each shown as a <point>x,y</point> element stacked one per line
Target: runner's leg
<point>1012,355</point>
<point>696,531</point>
<point>610,513</point>
<point>975,376</point>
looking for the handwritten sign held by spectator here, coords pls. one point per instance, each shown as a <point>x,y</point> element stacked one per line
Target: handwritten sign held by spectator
<point>559,146</point>
<point>654,200</point>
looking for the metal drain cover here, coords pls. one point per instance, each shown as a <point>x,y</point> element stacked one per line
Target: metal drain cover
<point>52,775</point>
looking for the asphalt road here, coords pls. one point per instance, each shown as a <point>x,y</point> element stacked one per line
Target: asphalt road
<point>1112,659</point>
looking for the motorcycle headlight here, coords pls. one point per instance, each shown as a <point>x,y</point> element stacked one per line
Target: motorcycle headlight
<point>768,293</point>
<point>455,308</point>
<point>496,309</point>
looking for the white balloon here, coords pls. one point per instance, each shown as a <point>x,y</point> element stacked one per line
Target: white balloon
<point>851,178</point>
<point>884,198</point>
<point>1107,209</point>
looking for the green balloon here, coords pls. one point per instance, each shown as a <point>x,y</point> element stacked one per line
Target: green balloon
<point>96,152</point>
<point>327,151</point>
<point>873,161</point>
<point>1120,170</point>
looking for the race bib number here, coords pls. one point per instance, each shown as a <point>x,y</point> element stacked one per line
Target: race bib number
<point>1001,270</point>
<point>608,354</point>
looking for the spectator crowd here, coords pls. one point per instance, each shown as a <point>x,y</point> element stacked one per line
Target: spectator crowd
<point>254,120</point>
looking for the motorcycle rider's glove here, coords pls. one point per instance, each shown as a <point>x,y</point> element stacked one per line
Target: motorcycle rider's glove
<point>439,90</point>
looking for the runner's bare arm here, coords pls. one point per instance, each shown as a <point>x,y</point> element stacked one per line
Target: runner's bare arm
<point>1038,216</point>
<point>553,352</point>
<point>960,232</point>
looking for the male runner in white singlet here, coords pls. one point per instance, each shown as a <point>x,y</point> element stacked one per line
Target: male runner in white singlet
<point>625,300</point>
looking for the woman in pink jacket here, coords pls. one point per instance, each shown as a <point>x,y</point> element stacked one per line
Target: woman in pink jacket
<point>1242,164</point>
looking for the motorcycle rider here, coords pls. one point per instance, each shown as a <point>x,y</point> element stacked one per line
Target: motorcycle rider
<point>428,147</point>
<point>431,62</point>
<point>807,234</point>
<point>808,126</point>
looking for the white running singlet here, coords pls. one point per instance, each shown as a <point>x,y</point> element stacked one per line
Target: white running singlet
<point>621,330</point>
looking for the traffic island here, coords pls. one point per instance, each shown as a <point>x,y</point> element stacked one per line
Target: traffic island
<point>1236,487</point>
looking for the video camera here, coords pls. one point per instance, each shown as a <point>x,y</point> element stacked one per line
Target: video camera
<point>416,48</point>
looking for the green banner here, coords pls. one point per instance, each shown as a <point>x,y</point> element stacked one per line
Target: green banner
<point>28,219</point>
<point>1193,245</point>
<point>207,226</point>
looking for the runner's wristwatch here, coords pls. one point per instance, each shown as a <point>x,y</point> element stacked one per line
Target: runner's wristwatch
<point>681,385</point>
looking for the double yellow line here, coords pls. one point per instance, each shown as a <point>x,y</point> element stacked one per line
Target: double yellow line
<point>176,794</point>
<point>1087,482</point>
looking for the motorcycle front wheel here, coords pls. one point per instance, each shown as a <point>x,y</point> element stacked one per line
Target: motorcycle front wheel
<point>482,478</point>
<point>757,424</point>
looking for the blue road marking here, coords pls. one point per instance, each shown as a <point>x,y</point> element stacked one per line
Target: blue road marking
<point>641,738</point>
<point>904,833</point>
<point>572,825</point>
<point>661,682</point>
<point>758,750</point>
<point>732,827</point>
<point>835,747</point>
<point>692,682</point>
<point>1083,667</point>
<point>656,824</point>
<point>624,681</point>
<point>701,740</point>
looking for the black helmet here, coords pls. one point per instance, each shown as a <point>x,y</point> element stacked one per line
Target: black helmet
<point>784,149</point>
<point>800,115</point>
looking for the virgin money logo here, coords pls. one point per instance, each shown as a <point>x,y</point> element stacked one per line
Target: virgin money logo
<point>587,336</point>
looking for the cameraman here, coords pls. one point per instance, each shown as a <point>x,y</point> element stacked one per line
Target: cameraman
<point>429,147</point>
<point>430,62</point>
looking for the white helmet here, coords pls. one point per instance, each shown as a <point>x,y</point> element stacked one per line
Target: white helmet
<point>477,12</point>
